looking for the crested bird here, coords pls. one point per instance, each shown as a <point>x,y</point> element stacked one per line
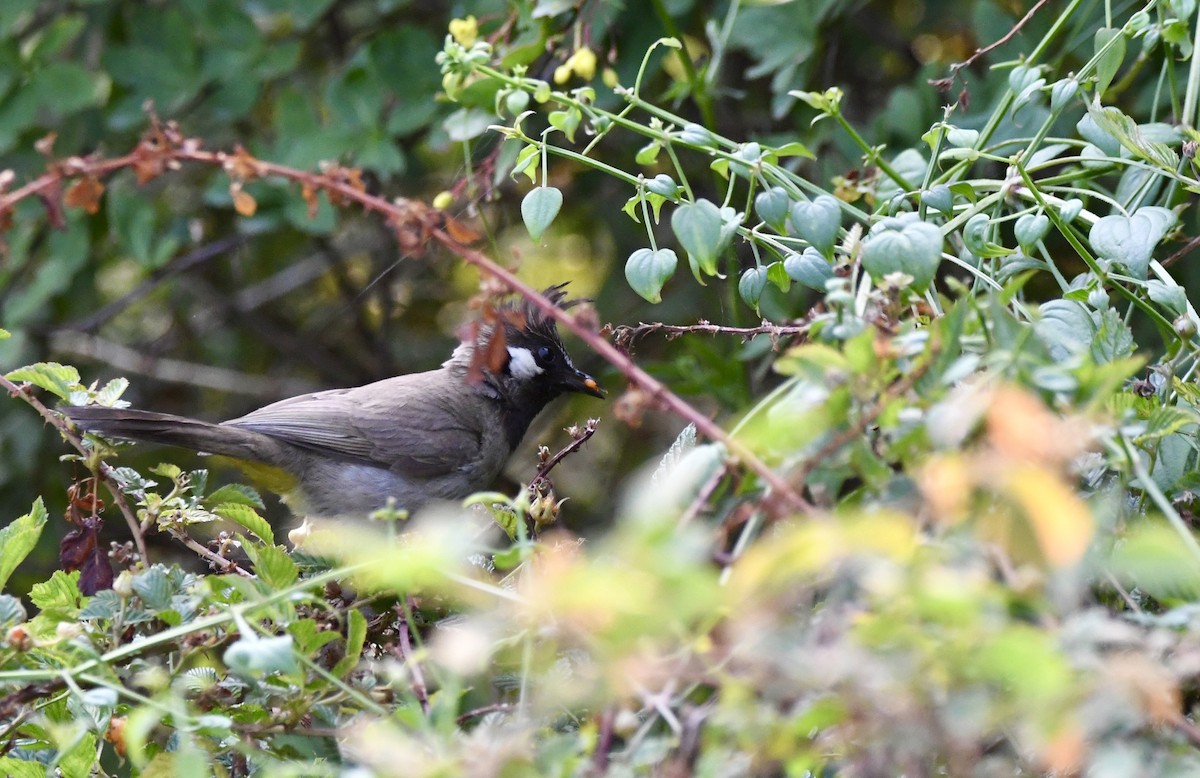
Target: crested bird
<point>438,435</point>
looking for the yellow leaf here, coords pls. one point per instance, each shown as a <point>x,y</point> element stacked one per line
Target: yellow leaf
<point>244,203</point>
<point>1061,521</point>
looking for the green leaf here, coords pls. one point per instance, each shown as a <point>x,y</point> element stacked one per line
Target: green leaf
<point>662,185</point>
<point>976,235</point>
<point>809,268</point>
<point>251,655</point>
<point>772,206</point>
<point>1130,240</point>
<point>1166,420</point>
<point>539,208</point>
<point>817,222</point>
<point>903,244</point>
<point>777,274</point>
<point>1030,229</point>
<point>1152,558</point>
<point>527,162</point>
<point>751,285</point>
<point>648,154</point>
<point>647,271</point>
<point>246,516</point>
<point>793,149</point>
<point>1110,62</point>
<point>1066,327</point>
<point>275,567</point>
<point>154,587</point>
<point>59,598</point>
<point>697,226</point>
<point>309,637</point>
<point>12,767</point>
<point>940,199</point>
<point>566,121</point>
<point>356,637</point>
<point>238,494</point>
<point>20,537</point>
<point>61,380</point>
<point>467,123</point>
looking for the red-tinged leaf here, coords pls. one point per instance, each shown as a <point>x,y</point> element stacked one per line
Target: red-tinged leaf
<point>85,193</point>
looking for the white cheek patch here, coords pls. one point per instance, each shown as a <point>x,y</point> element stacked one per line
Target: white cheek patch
<point>521,363</point>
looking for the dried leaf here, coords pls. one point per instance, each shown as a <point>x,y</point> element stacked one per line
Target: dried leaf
<point>243,202</point>
<point>85,193</point>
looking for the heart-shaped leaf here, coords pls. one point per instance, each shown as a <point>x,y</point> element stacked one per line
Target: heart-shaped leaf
<point>1030,229</point>
<point>809,268</point>
<point>751,285</point>
<point>771,205</point>
<point>940,199</point>
<point>977,238</point>
<point>697,227</point>
<point>1070,209</point>
<point>903,244</point>
<point>539,208</point>
<point>662,185</point>
<point>1130,240</point>
<point>818,222</point>
<point>647,271</point>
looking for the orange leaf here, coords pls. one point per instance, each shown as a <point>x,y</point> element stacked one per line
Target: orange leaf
<point>85,193</point>
<point>243,202</point>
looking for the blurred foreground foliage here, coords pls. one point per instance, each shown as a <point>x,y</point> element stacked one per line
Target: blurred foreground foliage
<point>976,367</point>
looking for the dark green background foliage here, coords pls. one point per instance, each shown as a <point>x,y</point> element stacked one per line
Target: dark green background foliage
<point>989,418</point>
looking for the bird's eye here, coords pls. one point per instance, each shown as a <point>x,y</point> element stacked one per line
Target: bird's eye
<point>544,354</point>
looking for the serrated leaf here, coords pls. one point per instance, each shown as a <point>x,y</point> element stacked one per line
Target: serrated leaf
<point>697,227</point>
<point>251,655</point>
<point>239,494</point>
<point>154,587</point>
<point>539,208</point>
<point>11,611</point>
<point>275,568</point>
<point>112,392</point>
<point>167,470</point>
<point>309,637</point>
<point>247,517</point>
<point>19,538</point>
<point>356,636</point>
<point>58,379</point>
<point>1166,420</point>
<point>104,604</point>
<point>1066,327</point>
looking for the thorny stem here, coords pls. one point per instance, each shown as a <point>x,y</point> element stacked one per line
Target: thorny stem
<point>406,215</point>
<point>104,471</point>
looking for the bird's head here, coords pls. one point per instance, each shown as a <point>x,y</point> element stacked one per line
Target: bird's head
<point>521,355</point>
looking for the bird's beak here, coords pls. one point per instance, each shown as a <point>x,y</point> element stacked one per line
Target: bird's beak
<point>580,381</point>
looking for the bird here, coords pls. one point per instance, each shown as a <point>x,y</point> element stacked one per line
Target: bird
<point>404,441</point>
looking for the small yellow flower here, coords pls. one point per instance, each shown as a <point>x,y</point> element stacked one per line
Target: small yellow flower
<point>581,63</point>
<point>443,200</point>
<point>610,79</point>
<point>464,31</point>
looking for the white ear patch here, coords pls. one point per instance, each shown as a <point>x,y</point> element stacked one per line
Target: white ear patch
<point>521,363</point>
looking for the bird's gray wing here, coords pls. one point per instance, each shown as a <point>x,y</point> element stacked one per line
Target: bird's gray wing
<point>414,425</point>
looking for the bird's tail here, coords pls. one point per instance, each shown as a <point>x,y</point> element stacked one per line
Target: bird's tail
<point>169,430</point>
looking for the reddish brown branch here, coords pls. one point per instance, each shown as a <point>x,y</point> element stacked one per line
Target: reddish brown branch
<point>414,224</point>
<point>585,434</point>
<point>625,335</point>
<point>104,471</point>
<point>1012,33</point>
